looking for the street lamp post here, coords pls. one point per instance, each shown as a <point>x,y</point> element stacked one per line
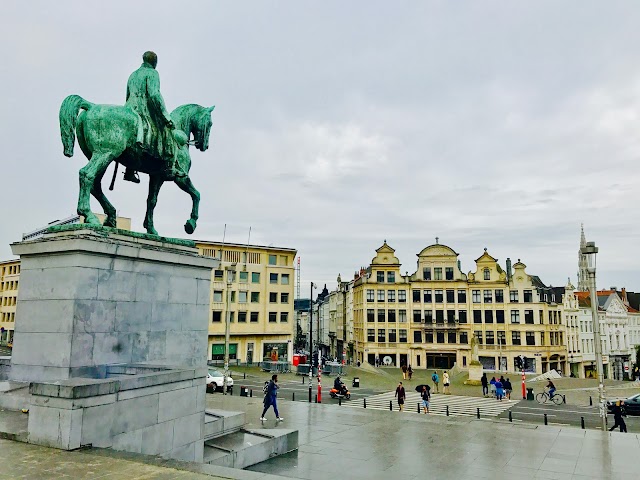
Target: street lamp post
<point>590,250</point>
<point>313,285</point>
<point>231,271</point>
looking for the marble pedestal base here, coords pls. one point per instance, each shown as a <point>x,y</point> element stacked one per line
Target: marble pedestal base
<point>89,299</point>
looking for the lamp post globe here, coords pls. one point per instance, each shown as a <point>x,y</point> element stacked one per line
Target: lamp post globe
<point>590,251</point>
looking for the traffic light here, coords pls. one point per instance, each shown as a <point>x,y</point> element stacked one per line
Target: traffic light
<point>518,362</point>
<point>524,363</point>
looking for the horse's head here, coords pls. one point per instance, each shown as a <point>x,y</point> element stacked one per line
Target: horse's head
<point>201,128</point>
<point>194,120</point>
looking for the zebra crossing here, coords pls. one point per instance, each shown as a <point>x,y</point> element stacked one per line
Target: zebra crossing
<point>458,405</point>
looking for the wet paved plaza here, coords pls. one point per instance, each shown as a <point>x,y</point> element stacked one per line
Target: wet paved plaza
<point>345,443</point>
<point>357,443</point>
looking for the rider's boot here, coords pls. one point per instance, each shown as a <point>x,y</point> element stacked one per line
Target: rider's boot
<point>130,175</point>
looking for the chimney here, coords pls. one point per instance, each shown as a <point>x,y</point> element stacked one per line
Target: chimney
<point>508,268</point>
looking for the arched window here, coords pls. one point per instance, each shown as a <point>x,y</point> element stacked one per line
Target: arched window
<point>487,274</point>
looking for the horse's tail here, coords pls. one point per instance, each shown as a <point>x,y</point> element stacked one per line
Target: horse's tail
<point>68,116</point>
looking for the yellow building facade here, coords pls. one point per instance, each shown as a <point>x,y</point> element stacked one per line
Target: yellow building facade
<point>9,280</point>
<point>255,284</point>
<point>427,319</point>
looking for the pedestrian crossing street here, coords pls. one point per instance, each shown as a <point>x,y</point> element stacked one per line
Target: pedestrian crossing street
<point>458,405</point>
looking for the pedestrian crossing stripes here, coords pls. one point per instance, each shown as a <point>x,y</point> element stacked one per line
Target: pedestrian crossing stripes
<point>458,405</point>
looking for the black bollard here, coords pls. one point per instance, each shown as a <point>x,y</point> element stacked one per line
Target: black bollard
<point>293,397</point>
<point>582,422</point>
<point>365,402</point>
<point>250,393</point>
<point>390,405</point>
<point>231,391</point>
<point>590,401</point>
<point>244,375</point>
<point>545,419</point>
<point>316,398</point>
<point>447,410</point>
<point>510,416</point>
<point>339,401</point>
<point>478,412</point>
<point>309,393</point>
<point>303,379</point>
<point>418,407</point>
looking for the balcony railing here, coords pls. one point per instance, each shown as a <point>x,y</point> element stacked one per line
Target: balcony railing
<point>441,325</point>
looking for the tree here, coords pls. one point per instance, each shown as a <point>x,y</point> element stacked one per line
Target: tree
<point>301,339</point>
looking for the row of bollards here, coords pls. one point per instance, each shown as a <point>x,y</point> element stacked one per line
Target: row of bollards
<point>364,405</point>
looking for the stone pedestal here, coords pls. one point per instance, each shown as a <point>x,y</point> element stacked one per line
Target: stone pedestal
<point>475,373</point>
<point>93,297</point>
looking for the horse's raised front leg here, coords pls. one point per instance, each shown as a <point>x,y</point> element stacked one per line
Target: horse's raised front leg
<point>155,182</point>
<point>88,174</point>
<point>185,184</point>
<point>108,209</point>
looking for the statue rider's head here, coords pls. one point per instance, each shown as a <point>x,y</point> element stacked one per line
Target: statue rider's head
<point>151,58</point>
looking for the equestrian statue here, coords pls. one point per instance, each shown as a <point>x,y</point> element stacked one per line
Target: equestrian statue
<point>142,136</point>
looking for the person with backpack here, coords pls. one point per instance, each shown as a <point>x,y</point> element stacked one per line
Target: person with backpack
<point>270,396</point>
<point>435,379</point>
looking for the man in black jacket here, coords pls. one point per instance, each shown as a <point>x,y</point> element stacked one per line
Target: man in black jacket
<point>617,416</point>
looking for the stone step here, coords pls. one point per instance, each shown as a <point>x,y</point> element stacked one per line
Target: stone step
<point>222,422</point>
<point>248,447</point>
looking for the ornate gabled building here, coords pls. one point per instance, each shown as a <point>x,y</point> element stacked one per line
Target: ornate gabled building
<point>427,319</point>
<point>617,334</point>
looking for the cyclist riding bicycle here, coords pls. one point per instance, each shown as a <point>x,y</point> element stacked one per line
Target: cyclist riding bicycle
<point>552,389</point>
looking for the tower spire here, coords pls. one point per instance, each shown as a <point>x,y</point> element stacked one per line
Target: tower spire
<point>583,275</point>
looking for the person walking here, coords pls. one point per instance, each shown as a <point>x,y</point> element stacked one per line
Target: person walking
<point>492,386</point>
<point>401,395</point>
<point>270,399</point>
<point>485,385</point>
<point>499,391</point>
<point>445,384</point>
<point>410,372</point>
<point>426,396</point>
<point>636,374</point>
<point>507,389</point>
<point>404,371</point>
<point>617,416</point>
<point>435,379</point>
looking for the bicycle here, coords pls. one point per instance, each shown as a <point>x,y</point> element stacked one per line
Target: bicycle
<point>543,397</point>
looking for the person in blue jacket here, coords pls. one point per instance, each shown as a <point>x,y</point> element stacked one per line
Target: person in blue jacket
<point>270,398</point>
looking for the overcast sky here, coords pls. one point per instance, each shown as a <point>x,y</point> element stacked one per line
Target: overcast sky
<point>341,124</point>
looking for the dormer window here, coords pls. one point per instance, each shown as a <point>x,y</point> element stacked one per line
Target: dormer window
<point>426,273</point>
<point>380,277</point>
<point>487,274</point>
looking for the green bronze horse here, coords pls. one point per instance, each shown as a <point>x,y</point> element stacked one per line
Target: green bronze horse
<point>107,133</point>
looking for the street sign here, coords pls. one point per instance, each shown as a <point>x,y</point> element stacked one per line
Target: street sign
<point>605,359</point>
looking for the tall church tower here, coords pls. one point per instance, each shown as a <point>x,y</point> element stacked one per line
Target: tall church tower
<point>583,275</point>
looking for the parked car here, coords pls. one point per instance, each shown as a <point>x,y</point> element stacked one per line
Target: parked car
<point>215,380</point>
<point>631,405</point>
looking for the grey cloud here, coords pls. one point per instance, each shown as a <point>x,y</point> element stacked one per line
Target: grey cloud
<point>338,125</point>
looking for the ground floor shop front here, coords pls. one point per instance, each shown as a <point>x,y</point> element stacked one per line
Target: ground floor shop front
<point>251,349</point>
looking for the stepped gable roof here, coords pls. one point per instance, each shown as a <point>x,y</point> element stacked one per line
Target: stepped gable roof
<point>486,256</point>
<point>385,255</point>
